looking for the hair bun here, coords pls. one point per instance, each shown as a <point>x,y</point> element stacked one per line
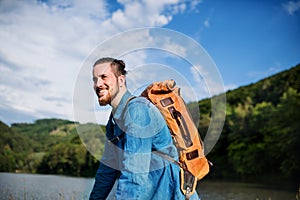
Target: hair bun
<point>121,66</point>
<point>122,63</point>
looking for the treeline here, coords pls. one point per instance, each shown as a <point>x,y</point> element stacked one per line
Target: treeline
<point>261,134</point>
<point>260,137</point>
<point>48,146</point>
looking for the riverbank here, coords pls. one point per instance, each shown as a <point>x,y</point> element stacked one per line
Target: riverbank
<point>35,186</point>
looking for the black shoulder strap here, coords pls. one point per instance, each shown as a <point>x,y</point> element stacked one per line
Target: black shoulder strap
<point>126,106</point>
<point>115,139</point>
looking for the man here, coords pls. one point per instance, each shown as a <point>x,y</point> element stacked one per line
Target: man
<point>134,131</point>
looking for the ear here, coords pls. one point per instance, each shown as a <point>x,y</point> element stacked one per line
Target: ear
<point>121,80</point>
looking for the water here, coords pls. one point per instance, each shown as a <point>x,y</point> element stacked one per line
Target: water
<point>35,187</point>
<point>243,191</point>
<point>43,187</point>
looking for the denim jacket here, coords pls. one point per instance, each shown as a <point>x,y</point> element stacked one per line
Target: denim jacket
<point>134,131</point>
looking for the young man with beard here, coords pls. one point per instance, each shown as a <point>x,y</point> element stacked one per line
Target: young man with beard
<point>134,131</point>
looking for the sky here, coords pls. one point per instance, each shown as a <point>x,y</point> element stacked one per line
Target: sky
<point>47,49</point>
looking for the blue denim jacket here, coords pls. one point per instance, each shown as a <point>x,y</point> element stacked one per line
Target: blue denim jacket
<point>134,131</point>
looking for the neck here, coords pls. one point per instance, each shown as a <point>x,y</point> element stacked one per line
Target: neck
<point>115,102</point>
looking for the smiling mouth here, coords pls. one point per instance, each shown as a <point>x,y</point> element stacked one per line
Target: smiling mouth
<point>100,92</point>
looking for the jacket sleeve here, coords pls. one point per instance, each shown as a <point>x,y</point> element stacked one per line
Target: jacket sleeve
<point>106,175</point>
<point>140,128</point>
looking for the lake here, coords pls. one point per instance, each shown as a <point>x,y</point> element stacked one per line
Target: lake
<point>43,187</point>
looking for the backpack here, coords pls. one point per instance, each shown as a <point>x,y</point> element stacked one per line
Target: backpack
<point>192,161</point>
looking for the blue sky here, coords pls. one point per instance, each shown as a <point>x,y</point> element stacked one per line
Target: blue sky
<point>248,40</point>
<point>45,44</point>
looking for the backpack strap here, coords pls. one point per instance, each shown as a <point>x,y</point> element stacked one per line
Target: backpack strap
<point>115,139</point>
<point>188,180</point>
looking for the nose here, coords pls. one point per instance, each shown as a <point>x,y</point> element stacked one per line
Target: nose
<point>98,82</point>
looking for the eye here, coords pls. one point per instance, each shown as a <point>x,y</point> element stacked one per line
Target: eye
<point>95,79</point>
<point>104,76</point>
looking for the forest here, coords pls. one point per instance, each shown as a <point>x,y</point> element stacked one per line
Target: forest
<point>260,138</point>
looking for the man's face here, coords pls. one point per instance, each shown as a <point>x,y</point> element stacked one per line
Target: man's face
<point>106,83</point>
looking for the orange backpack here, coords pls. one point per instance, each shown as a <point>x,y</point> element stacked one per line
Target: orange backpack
<point>192,161</point>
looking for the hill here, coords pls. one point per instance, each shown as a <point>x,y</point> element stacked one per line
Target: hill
<point>261,134</point>
<point>50,146</point>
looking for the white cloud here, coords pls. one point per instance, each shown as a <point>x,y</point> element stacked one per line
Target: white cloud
<point>256,75</point>
<point>40,44</point>
<point>43,45</point>
<point>291,7</point>
<point>138,13</point>
<point>200,83</point>
<point>208,84</point>
<point>206,23</point>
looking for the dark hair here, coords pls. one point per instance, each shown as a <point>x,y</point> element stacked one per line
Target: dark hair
<point>118,65</point>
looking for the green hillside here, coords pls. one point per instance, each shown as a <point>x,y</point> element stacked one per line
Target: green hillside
<point>260,138</point>
<point>261,134</point>
<point>50,146</point>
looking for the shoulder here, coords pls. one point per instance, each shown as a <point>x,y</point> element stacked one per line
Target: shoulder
<point>141,112</point>
<point>139,100</point>
<point>141,105</point>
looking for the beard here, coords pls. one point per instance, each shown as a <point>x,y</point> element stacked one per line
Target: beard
<point>106,94</point>
<point>105,99</point>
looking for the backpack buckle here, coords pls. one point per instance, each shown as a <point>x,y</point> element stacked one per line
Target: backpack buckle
<point>188,183</point>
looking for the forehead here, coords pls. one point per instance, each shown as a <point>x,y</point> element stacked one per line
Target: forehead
<point>102,68</point>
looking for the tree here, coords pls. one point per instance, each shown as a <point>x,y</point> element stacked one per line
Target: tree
<point>286,134</point>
